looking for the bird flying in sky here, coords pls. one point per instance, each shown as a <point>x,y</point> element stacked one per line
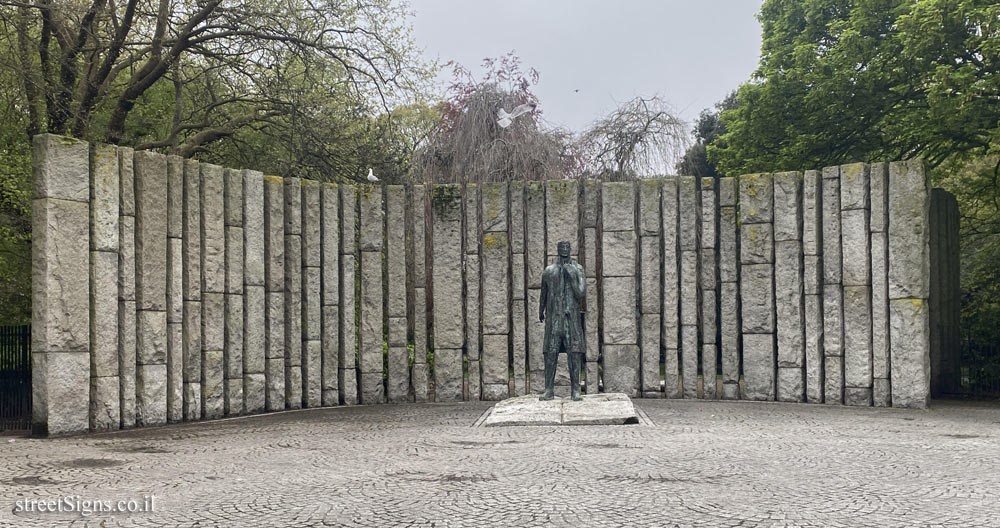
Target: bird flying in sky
<point>504,118</point>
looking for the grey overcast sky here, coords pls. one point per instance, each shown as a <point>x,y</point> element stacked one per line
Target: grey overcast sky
<point>691,52</point>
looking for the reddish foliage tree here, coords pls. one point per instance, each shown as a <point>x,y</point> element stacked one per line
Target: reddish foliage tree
<point>468,144</point>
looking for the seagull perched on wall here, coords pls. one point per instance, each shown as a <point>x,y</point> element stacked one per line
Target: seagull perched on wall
<point>504,119</point>
<point>371,177</point>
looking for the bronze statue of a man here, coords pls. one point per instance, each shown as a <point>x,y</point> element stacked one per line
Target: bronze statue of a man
<point>564,288</point>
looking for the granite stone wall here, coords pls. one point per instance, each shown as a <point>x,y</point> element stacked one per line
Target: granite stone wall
<point>167,290</point>
<point>619,274</point>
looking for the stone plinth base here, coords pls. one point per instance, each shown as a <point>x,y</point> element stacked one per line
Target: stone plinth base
<point>594,409</point>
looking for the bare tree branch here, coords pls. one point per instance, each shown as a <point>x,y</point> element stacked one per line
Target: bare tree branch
<point>640,138</point>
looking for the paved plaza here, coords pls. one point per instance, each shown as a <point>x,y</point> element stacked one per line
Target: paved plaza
<point>700,463</point>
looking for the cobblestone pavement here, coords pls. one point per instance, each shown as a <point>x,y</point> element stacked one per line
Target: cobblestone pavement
<point>700,464</point>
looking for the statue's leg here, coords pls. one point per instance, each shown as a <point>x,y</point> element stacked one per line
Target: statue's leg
<point>550,376</point>
<point>574,361</point>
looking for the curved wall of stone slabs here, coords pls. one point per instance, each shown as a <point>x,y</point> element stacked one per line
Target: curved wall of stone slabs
<point>167,290</point>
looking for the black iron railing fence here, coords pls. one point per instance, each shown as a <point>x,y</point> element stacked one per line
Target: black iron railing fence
<point>980,369</point>
<point>15,377</point>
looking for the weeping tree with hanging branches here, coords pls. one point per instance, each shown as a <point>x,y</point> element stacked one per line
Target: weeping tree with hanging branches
<point>469,143</point>
<point>640,138</point>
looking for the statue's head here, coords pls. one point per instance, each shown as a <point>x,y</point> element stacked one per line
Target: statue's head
<point>563,249</point>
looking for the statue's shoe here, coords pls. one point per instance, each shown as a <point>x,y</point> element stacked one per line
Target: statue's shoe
<point>546,396</point>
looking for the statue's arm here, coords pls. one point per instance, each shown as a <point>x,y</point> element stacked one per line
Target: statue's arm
<point>579,285</point>
<point>544,296</point>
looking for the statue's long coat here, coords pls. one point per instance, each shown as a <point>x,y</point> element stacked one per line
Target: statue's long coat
<point>562,307</point>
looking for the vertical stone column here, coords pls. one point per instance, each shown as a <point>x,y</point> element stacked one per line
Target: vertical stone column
<point>175,289</point>
<point>312,289</point>
<point>946,353</point>
<point>729,288</point>
<point>293,292</point>
<point>619,252</point>
<point>936,224</point>
<point>708,253</point>
<point>473,292</point>
<point>399,356</point>
<point>671,321</point>
<point>496,289</point>
<point>518,314</point>
<point>274,281</point>
<point>150,173</point>
<point>589,260</point>
<point>370,241</point>
<point>650,267</point>
<point>446,320</point>
<point>60,316</point>
<point>562,210</point>
<point>126,289</point>
<point>856,278</point>
<point>331,293</point>
<point>534,247</point>
<point>213,278</point>
<point>191,279</point>
<point>562,218</point>
<point>151,287</point>
<point>833,298</point>
<point>812,284</point>
<point>689,239</point>
<point>233,351</point>
<point>788,285</point>
<point>105,397</point>
<point>348,375</point>
<point>419,376</point>
<point>757,285</point>
<point>254,293</point>
<point>951,268</point>
<point>909,283</point>
<point>879,224</point>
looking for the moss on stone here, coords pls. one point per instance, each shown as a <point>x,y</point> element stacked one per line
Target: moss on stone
<point>618,190</point>
<point>365,190</point>
<point>446,201</point>
<point>751,183</point>
<point>491,200</point>
<point>651,183</point>
<point>559,191</point>
<point>494,242</point>
<point>852,171</point>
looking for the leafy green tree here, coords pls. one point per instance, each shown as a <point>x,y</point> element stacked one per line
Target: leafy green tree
<point>87,66</point>
<point>845,80</point>
<point>297,87</point>
<point>974,182</point>
<point>15,232</point>
<point>15,193</point>
<point>849,80</point>
<point>708,129</point>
